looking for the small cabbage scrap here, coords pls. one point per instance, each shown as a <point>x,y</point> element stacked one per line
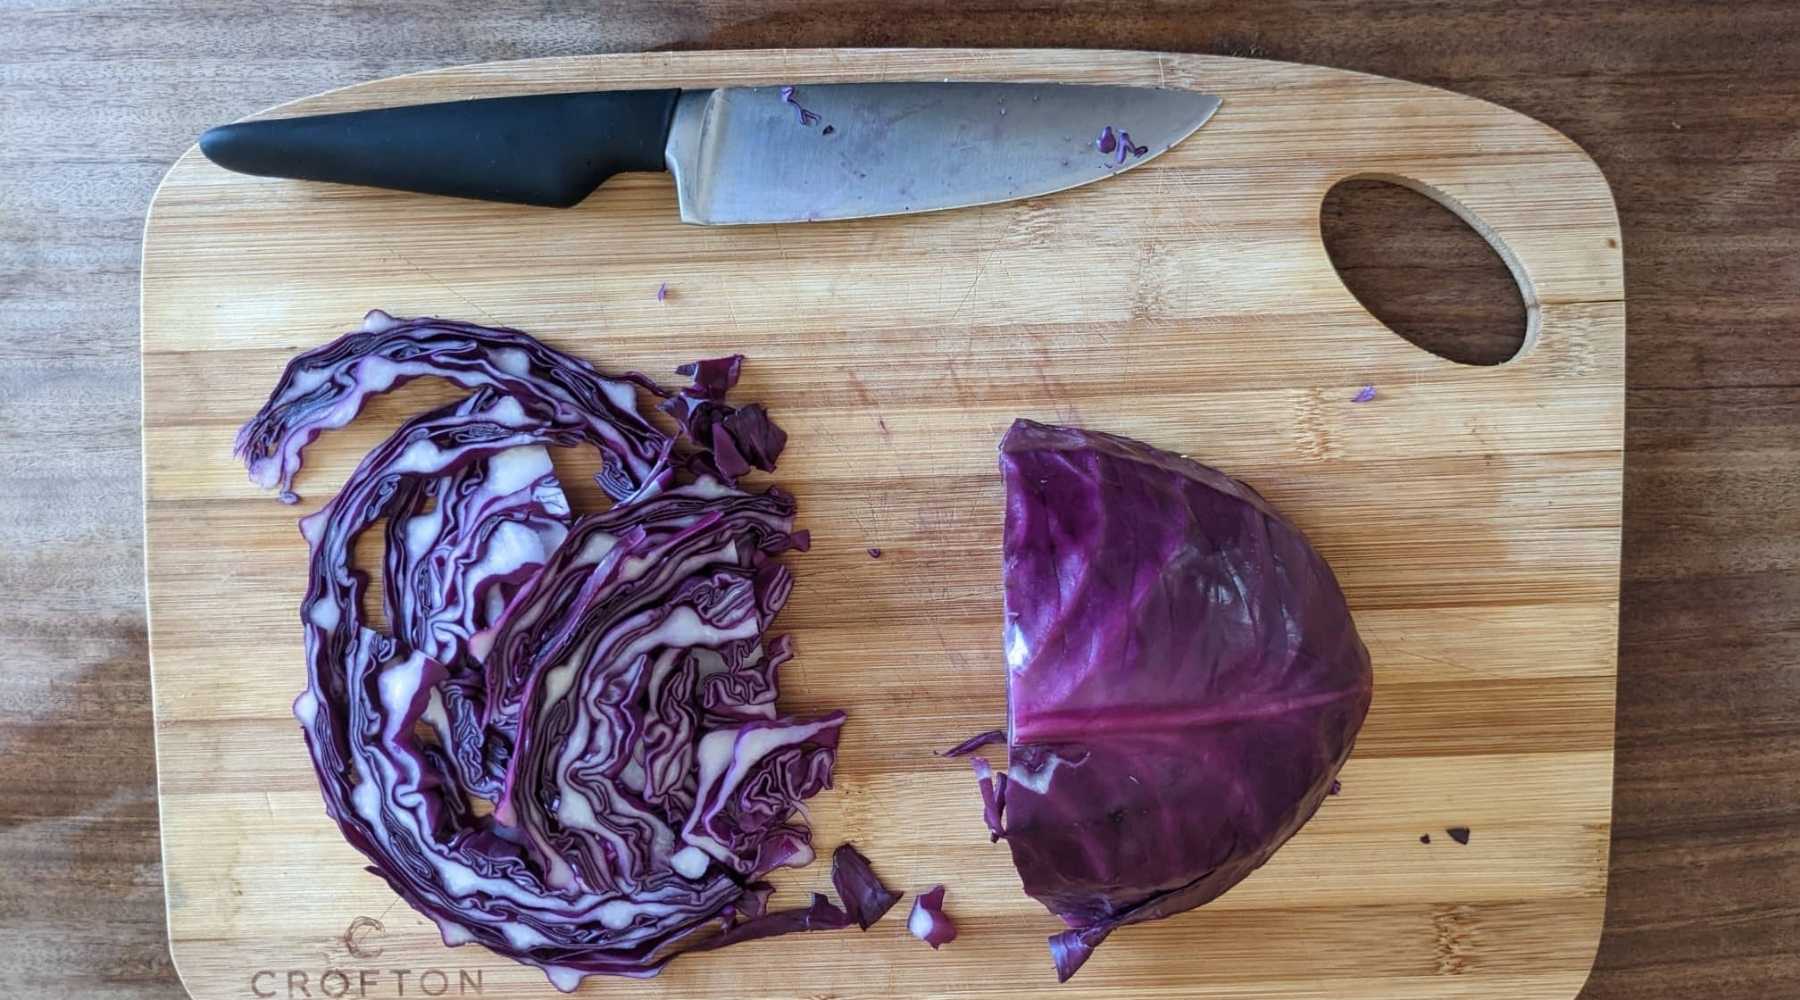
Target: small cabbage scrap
<point>1183,681</point>
<point>568,748</point>
<point>928,922</point>
<point>975,743</point>
<point>732,440</point>
<point>864,895</point>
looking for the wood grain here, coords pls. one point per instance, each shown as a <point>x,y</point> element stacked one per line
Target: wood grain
<point>1190,303</point>
<point>1690,109</point>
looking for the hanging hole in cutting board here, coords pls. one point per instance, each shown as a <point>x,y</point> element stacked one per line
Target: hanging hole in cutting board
<point>1417,266</point>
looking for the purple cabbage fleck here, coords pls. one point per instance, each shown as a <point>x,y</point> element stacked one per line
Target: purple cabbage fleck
<point>805,117</point>
<point>1118,144</point>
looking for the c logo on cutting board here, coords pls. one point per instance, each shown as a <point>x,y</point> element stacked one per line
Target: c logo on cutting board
<point>357,931</point>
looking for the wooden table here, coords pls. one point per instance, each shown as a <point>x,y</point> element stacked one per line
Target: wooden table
<point>1694,112</point>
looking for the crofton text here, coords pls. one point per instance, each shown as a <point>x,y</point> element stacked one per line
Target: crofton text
<point>338,983</point>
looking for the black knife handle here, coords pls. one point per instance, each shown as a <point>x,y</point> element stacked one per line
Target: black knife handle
<point>546,149</point>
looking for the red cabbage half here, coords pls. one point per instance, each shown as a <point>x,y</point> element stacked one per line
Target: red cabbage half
<point>568,747</point>
<point>1183,681</point>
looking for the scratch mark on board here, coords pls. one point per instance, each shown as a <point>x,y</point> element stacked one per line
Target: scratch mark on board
<point>971,290</point>
<point>1428,658</point>
<point>471,303</point>
<point>731,313</point>
<point>787,270</point>
<point>993,245</point>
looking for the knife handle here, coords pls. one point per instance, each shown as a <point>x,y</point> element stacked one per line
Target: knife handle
<point>546,149</point>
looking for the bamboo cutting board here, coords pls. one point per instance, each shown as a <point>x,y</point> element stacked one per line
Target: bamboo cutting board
<point>1471,513</point>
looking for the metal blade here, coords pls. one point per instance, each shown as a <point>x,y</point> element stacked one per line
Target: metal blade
<point>854,150</point>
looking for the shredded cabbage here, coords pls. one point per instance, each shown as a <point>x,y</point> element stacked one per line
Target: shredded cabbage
<point>568,748</point>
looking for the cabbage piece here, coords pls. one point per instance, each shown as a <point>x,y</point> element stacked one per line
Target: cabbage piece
<point>975,743</point>
<point>638,634</point>
<point>1183,681</point>
<point>821,915</point>
<point>459,547</point>
<point>732,439</point>
<point>928,922</point>
<point>669,537</point>
<point>993,796</point>
<point>326,388</point>
<point>712,378</point>
<point>864,895</point>
<point>568,749</point>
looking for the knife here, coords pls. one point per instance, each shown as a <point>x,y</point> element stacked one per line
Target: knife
<point>739,154</point>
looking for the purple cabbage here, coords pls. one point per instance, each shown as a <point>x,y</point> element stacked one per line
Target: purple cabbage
<point>568,748</point>
<point>864,896</point>
<point>803,115</point>
<point>1127,147</point>
<point>326,388</point>
<point>928,922</point>
<point>975,743</point>
<point>1183,681</point>
<point>993,796</point>
<point>821,915</point>
<point>731,440</point>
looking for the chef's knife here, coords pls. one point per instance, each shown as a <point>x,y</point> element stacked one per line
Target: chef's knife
<point>739,154</point>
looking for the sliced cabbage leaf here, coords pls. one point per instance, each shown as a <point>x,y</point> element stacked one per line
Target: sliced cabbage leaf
<point>326,388</point>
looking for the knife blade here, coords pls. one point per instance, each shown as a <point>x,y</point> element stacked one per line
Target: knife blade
<point>739,154</point>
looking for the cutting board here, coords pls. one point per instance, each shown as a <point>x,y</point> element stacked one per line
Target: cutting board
<point>1472,514</point>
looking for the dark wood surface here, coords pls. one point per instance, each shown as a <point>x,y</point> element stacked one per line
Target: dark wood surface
<point>1693,111</point>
